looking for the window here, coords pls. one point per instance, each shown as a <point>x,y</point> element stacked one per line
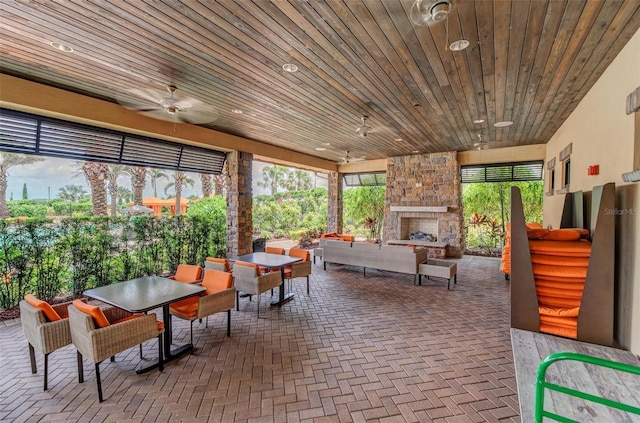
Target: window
<point>565,158</point>
<point>551,177</point>
<point>365,179</point>
<point>503,172</point>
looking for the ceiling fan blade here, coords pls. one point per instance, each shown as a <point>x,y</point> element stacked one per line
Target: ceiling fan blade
<point>150,95</point>
<point>196,115</point>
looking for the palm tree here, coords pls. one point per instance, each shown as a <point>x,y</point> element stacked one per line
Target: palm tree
<point>72,193</point>
<point>154,175</point>
<point>96,174</point>
<point>138,181</point>
<point>180,179</point>
<point>206,184</point>
<point>114,171</point>
<point>298,180</point>
<point>7,161</point>
<point>124,195</point>
<point>273,177</point>
<point>220,181</point>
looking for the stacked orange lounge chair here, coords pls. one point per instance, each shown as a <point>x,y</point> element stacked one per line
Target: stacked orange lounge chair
<point>560,259</point>
<point>505,260</point>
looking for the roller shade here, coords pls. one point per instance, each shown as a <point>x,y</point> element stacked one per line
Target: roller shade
<point>503,172</point>
<point>33,134</point>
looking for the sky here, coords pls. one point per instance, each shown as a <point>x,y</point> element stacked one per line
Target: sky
<point>45,178</point>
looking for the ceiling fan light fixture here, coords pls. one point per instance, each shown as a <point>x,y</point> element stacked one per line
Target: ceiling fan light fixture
<point>290,67</point>
<point>458,45</point>
<point>61,47</point>
<point>440,11</point>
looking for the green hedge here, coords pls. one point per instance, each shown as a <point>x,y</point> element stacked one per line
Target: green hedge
<point>58,259</point>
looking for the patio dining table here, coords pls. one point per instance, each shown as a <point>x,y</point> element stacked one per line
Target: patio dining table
<point>144,294</point>
<point>272,261</point>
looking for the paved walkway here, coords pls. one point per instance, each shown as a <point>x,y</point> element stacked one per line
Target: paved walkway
<point>374,349</point>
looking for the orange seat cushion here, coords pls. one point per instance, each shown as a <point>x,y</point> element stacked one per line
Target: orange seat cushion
<point>559,311</point>
<point>530,225</point>
<point>559,331</point>
<point>297,252</point>
<point>245,264</point>
<point>329,235</point>
<point>554,292</point>
<point>348,238</point>
<point>580,248</point>
<point>186,307</point>
<point>537,233</point>
<point>560,260</point>
<point>559,271</point>
<point>565,322</point>
<point>188,273</point>
<point>563,235</point>
<point>274,250</point>
<point>559,279</point>
<point>216,281</point>
<point>49,313</point>
<point>95,312</point>
<point>551,301</point>
<point>572,286</point>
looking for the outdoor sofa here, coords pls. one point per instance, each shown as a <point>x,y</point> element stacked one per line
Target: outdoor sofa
<point>393,258</point>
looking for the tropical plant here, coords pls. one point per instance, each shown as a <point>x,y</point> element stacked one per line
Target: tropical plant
<point>365,202</point>
<point>487,207</point>
<point>72,193</point>
<point>96,174</point>
<point>154,176</point>
<point>7,161</point>
<point>138,181</point>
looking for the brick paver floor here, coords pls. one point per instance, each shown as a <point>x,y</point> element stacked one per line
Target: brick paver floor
<point>374,349</point>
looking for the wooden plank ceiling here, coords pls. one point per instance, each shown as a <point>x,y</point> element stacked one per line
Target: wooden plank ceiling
<point>529,62</point>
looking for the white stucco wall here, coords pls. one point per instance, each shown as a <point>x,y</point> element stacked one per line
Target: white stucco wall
<point>602,134</point>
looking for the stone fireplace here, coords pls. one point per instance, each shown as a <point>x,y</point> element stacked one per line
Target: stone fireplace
<point>423,198</point>
<point>419,229</point>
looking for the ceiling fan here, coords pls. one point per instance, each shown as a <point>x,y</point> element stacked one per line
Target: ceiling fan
<point>428,12</point>
<point>172,106</point>
<point>364,129</point>
<point>481,144</point>
<point>350,159</point>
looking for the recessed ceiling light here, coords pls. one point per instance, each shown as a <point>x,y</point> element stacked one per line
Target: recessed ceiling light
<point>61,47</point>
<point>326,143</point>
<point>236,111</point>
<point>503,124</point>
<point>458,45</point>
<point>397,139</point>
<point>321,149</point>
<point>290,67</point>
<point>478,121</point>
<point>415,151</point>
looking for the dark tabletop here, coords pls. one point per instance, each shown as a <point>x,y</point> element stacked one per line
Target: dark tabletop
<point>267,259</point>
<point>144,294</point>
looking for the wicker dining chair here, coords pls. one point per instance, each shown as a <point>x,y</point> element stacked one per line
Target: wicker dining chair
<point>99,334</point>
<point>46,328</point>
<point>249,279</point>
<point>300,269</point>
<point>220,296</point>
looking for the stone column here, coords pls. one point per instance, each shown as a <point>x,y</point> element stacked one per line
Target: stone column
<point>334,218</point>
<point>239,204</point>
